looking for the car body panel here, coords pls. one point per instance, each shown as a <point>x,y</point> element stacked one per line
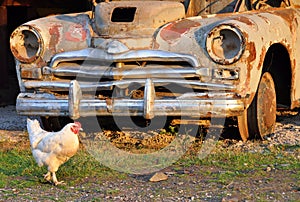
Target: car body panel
<point>274,27</point>
<point>158,44</point>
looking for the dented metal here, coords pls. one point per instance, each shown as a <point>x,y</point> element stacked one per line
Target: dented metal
<point>159,58</point>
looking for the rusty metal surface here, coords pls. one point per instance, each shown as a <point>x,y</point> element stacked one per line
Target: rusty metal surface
<point>261,113</point>
<point>208,48</point>
<point>281,31</point>
<point>49,36</point>
<point>266,115</point>
<point>153,14</point>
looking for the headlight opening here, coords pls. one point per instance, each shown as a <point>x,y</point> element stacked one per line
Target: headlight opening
<point>225,44</point>
<point>26,44</point>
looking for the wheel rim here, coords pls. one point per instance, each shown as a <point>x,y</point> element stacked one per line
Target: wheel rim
<point>260,117</point>
<point>266,105</point>
<point>243,126</point>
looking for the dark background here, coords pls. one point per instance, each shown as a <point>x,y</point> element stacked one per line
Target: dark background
<point>14,13</point>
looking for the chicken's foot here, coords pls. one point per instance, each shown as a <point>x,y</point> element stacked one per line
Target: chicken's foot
<point>47,176</point>
<point>55,181</point>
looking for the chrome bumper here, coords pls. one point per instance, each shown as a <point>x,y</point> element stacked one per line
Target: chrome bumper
<point>75,105</point>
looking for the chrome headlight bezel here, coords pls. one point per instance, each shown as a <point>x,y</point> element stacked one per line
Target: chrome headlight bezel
<point>225,44</point>
<point>26,44</point>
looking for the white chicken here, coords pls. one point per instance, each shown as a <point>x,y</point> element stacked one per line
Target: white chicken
<point>52,149</point>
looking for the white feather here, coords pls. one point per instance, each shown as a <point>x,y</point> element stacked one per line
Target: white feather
<point>52,149</point>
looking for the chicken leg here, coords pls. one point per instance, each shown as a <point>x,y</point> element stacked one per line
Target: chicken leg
<point>55,181</point>
<point>47,177</point>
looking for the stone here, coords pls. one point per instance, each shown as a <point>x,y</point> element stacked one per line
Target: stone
<point>159,176</point>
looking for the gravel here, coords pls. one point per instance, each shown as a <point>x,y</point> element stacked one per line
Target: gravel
<point>10,120</point>
<point>184,185</point>
<point>287,128</point>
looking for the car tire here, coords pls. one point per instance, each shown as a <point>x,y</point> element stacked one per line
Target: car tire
<point>260,118</point>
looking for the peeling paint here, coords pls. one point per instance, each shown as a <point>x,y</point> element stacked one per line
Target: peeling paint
<point>76,33</point>
<point>245,20</point>
<point>156,41</point>
<point>261,58</point>
<point>252,50</point>
<point>288,15</point>
<point>174,31</point>
<point>55,36</point>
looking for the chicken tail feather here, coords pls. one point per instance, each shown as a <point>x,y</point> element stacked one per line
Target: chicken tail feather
<point>35,132</point>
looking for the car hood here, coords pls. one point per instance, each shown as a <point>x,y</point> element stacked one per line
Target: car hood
<point>134,18</point>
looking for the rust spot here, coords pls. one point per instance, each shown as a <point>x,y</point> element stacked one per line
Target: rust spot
<point>263,17</point>
<point>15,52</point>
<point>40,63</point>
<point>54,37</point>
<point>252,50</point>
<point>262,57</point>
<point>76,33</point>
<point>245,20</point>
<point>174,30</point>
<point>289,16</point>
<point>109,104</point>
<point>293,84</point>
<point>295,104</point>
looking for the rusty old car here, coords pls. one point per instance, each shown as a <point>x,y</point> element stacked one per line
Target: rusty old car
<point>191,59</point>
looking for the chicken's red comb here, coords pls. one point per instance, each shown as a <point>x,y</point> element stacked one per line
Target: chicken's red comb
<point>78,124</point>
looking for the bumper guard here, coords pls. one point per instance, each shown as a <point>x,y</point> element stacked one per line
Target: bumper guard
<point>75,105</point>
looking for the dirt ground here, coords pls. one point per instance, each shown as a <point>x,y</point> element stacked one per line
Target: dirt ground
<point>183,183</point>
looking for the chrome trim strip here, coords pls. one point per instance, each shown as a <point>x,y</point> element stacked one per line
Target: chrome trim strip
<point>134,55</point>
<point>64,85</point>
<point>139,72</point>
